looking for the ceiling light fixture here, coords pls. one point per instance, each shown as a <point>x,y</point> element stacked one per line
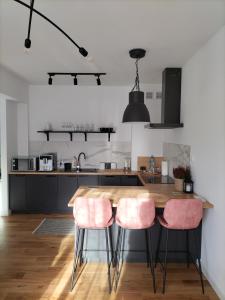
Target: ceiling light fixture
<point>28,40</point>
<point>136,110</point>
<point>74,75</point>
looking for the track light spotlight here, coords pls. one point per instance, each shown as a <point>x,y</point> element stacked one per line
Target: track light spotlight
<point>27,43</point>
<point>83,51</point>
<point>33,10</point>
<point>50,80</point>
<point>98,80</point>
<point>75,82</point>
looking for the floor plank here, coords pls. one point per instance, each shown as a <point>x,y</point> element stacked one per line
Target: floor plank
<point>39,267</point>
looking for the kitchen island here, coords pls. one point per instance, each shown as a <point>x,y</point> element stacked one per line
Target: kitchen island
<point>135,242</point>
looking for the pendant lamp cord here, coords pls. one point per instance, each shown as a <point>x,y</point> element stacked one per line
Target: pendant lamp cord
<point>136,84</point>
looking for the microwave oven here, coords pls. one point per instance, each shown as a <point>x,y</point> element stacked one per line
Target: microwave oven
<point>24,164</point>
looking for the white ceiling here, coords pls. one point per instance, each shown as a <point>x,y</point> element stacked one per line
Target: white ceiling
<point>170,30</point>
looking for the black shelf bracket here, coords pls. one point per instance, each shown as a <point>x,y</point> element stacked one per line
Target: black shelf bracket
<point>71,136</point>
<point>47,133</point>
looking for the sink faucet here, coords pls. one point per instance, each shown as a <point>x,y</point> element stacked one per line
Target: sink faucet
<point>78,160</point>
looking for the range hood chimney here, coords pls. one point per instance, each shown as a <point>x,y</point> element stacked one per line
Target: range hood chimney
<point>171,97</point>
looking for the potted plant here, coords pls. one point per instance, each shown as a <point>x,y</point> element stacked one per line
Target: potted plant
<point>179,176</point>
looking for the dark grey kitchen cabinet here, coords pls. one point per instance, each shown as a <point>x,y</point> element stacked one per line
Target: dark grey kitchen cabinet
<point>67,186</point>
<point>89,180</point>
<point>130,180</point>
<point>42,193</point>
<point>110,180</point>
<point>17,193</point>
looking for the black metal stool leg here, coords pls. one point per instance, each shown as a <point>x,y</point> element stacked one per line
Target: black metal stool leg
<point>108,260</point>
<point>118,258</point>
<point>151,259</point>
<point>187,248</point>
<point>117,247</point>
<point>158,245</point>
<point>82,246</point>
<point>199,267</point>
<point>76,257</point>
<point>165,261</point>
<point>111,245</point>
<point>147,246</point>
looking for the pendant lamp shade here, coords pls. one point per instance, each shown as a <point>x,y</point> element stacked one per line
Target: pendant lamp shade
<point>136,110</point>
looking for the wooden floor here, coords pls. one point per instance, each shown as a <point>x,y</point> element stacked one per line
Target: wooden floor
<point>33,267</point>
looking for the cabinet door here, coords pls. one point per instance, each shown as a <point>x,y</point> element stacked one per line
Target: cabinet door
<point>129,180</point>
<point>67,186</point>
<point>88,180</point>
<point>41,193</point>
<point>17,193</point>
<point>110,180</point>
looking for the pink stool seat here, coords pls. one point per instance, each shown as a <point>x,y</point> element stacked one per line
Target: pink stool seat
<point>135,213</point>
<point>182,214</point>
<point>93,213</point>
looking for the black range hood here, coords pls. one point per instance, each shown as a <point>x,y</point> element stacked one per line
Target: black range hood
<point>171,98</point>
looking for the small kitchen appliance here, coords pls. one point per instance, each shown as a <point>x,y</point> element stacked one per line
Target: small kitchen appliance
<point>24,164</point>
<point>47,162</point>
<point>107,165</point>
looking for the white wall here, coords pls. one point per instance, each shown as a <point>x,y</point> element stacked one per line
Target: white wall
<point>13,121</point>
<point>13,86</point>
<point>203,107</point>
<point>101,106</point>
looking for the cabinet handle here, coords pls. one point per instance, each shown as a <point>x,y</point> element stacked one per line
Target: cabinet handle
<point>110,176</point>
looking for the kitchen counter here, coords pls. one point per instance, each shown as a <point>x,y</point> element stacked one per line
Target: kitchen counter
<point>161,193</point>
<point>160,189</point>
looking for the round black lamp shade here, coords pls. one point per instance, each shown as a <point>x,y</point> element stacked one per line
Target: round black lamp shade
<point>136,110</point>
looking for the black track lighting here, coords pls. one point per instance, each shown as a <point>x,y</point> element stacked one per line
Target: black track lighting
<point>83,51</point>
<point>75,82</point>
<point>74,75</point>
<point>50,80</point>
<point>98,80</point>
<point>27,42</point>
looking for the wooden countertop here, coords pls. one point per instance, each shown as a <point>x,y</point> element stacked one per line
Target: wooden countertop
<point>111,172</point>
<point>161,193</point>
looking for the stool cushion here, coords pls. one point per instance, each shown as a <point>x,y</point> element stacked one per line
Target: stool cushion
<point>135,213</point>
<point>95,213</point>
<point>182,214</point>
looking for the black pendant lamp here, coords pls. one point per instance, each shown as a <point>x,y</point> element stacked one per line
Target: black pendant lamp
<point>136,110</point>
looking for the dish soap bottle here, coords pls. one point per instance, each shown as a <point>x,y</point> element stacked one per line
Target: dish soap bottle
<point>152,164</point>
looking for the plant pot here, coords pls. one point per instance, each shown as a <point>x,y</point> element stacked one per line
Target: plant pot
<point>179,184</point>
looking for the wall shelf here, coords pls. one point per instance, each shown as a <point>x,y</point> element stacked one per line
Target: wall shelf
<point>71,132</point>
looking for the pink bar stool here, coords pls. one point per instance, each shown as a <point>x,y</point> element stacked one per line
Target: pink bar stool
<point>92,213</point>
<point>181,215</point>
<point>134,214</point>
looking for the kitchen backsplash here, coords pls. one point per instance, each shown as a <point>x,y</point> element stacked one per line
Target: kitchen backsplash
<point>95,151</point>
<point>177,155</point>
